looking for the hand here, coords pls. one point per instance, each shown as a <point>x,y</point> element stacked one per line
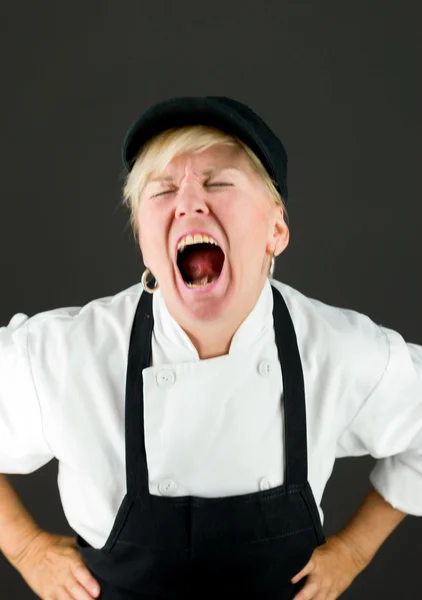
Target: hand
<point>53,568</point>
<point>331,569</point>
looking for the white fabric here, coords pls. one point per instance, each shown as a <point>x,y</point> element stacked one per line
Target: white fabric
<point>213,427</point>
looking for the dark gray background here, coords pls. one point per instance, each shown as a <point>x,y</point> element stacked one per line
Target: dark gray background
<point>339,83</point>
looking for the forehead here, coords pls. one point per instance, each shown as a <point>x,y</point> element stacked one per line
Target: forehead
<point>206,162</point>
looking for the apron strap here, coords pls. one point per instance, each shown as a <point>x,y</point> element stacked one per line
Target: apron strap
<point>296,451</point>
<point>140,352</point>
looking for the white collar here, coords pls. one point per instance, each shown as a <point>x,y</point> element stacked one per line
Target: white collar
<point>167,330</point>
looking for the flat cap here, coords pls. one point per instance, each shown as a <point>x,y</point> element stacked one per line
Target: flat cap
<point>221,112</point>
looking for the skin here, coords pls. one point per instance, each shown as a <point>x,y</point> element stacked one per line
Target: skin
<point>235,208</point>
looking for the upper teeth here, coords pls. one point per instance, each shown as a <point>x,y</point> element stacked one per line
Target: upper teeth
<point>195,239</point>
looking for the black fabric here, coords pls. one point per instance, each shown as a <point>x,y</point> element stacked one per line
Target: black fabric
<point>221,112</point>
<point>192,547</point>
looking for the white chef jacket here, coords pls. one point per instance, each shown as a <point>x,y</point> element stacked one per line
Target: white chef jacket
<point>213,427</point>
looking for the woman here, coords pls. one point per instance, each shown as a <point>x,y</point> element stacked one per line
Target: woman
<point>191,461</point>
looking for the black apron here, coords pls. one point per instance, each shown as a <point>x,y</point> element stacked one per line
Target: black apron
<point>163,547</point>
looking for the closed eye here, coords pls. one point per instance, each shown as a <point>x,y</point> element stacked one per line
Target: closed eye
<point>218,184</point>
<point>162,193</point>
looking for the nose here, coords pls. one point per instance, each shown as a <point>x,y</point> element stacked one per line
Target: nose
<point>191,200</point>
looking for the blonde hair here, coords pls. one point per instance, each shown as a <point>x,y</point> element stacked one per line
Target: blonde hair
<point>157,153</point>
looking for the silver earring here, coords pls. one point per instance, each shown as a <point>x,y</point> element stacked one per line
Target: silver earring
<point>144,282</point>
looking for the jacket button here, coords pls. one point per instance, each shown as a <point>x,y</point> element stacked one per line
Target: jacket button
<point>165,379</point>
<point>264,484</point>
<point>264,368</point>
<point>167,487</point>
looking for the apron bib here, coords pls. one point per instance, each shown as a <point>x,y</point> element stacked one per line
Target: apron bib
<point>188,547</point>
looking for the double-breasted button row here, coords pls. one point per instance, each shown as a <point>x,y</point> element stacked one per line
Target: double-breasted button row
<point>168,487</point>
<point>166,377</point>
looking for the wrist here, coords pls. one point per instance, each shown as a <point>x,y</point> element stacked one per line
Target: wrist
<point>24,540</point>
<point>360,555</point>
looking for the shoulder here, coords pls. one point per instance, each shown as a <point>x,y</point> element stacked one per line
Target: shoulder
<point>117,304</point>
<point>99,318</point>
<point>337,340</point>
<point>326,319</point>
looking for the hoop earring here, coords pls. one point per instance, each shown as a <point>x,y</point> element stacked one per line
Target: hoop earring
<point>144,282</point>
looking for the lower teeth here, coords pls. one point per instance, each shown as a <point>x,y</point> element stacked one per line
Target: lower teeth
<point>201,283</point>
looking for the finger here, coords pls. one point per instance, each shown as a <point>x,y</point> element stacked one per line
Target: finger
<point>305,571</point>
<point>63,594</point>
<point>77,592</point>
<point>308,592</point>
<point>84,577</point>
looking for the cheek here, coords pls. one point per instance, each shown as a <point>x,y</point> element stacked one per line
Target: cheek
<point>252,222</point>
<point>151,235</point>
<point>254,234</point>
<point>247,219</point>
<point>146,235</point>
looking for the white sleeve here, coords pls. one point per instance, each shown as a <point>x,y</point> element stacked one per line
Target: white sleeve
<point>388,426</point>
<point>23,448</point>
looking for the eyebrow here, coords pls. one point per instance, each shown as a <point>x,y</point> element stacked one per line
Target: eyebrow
<point>208,172</point>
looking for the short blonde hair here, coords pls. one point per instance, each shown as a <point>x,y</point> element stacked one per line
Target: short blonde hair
<point>157,153</point>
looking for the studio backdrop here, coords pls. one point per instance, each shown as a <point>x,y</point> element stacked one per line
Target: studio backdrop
<point>339,83</point>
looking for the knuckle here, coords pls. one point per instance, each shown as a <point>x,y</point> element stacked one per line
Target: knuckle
<point>71,553</point>
<point>50,553</point>
<point>74,590</point>
<point>313,588</point>
<point>325,589</point>
<point>81,572</point>
<point>52,595</point>
<point>329,585</point>
<point>78,567</point>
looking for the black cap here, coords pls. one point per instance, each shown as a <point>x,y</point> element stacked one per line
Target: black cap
<point>216,111</point>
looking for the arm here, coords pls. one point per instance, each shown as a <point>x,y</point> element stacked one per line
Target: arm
<point>17,528</point>
<point>387,425</point>
<point>23,448</point>
<point>50,564</point>
<point>369,527</point>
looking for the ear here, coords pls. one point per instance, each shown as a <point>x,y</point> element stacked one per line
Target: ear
<point>280,235</point>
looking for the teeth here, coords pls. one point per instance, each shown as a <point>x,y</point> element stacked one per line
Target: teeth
<point>201,283</point>
<point>195,239</point>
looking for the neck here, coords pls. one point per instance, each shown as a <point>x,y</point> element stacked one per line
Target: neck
<point>213,343</point>
<point>209,352</point>
<point>213,338</point>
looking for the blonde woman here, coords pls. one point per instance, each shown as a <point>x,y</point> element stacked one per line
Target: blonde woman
<point>197,415</point>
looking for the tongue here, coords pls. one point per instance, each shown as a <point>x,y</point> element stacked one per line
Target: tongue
<point>201,263</point>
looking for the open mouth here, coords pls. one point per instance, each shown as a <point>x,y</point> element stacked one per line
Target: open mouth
<point>200,264</point>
